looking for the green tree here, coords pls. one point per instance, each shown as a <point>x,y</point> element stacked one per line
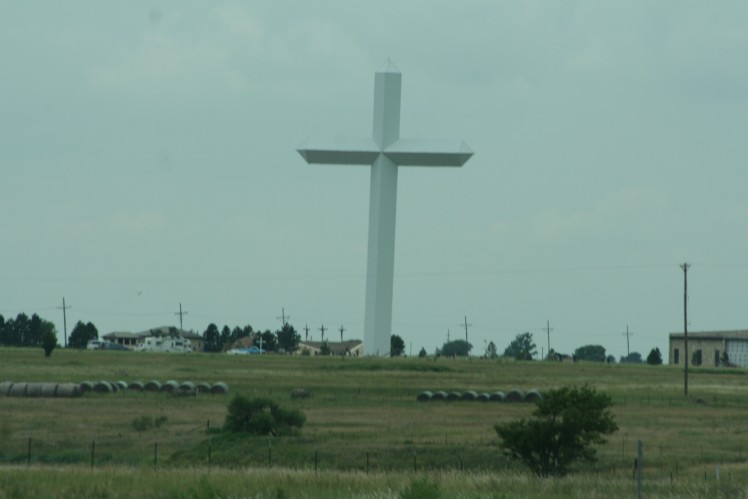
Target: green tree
<point>456,348</point>
<point>655,357</point>
<point>422,353</point>
<point>324,349</point>
<point>522,347</point>
<point>262,416</point>
<point>288,338</point>
<point>491,352</point>
<point>397,346</point>
<point>593,353</point>
<point>632,358</point>
<point>212,339</point>
<point>82,334</point>
<point>225,336</point>
<point>269,341</point>
<point>565,426</point>
<point>48,337</point>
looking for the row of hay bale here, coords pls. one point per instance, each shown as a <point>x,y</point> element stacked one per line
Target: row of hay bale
<point>12,389</point>
<point>171,386</point>
<point>515,395</point>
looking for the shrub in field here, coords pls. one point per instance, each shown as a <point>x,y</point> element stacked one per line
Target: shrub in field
<point>565,426</point>
<point>421,489</point>
<point>262,416</point>
<point>144,423</point>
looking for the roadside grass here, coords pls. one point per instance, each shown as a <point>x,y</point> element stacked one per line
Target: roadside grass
<point>362,415</point>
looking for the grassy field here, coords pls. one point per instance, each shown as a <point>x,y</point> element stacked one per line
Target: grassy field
<point>365,434</point>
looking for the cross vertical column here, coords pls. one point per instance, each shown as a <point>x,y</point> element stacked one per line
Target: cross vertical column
<point>380,267</point>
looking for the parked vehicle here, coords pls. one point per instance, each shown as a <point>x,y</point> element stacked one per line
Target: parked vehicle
<point>165,344</point>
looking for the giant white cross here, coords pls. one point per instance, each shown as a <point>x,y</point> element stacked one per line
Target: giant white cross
<point>385,151</point>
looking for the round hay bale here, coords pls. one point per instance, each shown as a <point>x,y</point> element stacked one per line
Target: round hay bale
<point>121,385</point>
<point>5,387</point>
<point>153,386</point>
<point>440,395</point>
<point>469,395</point>
<point>454,396</point>
<point>49,389</point>
<point>497,396</point>
<point>533,396</point>
<point>34,389</point>
<point>220,388</point>
<point>86,386</point>
<point>202,387</point>
<point>484,397</point>
<point>515,395</point>
<point>187,386</point>
<point>136,386</point>
<point>68,390</point>
<point>103,387</point>
<point>18,390</point>
<point>170,386</point>
<point>424,396</point>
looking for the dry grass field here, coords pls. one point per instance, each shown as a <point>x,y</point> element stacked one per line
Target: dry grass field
<point>366,435</point>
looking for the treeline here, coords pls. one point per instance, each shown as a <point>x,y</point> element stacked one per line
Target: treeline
<point>286,339</point>
<point>25,331</point>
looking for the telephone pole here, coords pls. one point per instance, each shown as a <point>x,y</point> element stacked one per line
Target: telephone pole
<point>685,266</point>
<point>283,317</point>
<point>306,332</point>
<point>180,314</point>
<point>548,330</point>
<point>466,329</point>
<point>627,334</point>
<point>323,329</point>
<point>341,333</point>
<point>64,320</point>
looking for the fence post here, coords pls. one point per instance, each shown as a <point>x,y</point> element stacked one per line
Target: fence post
<point>639,466</point>
<point>210,450</point>
<point>415,467</point>
<point>316,459</point>
<point>270,453</point>
<point>93,452</point>
<point>367,461</point>
<point>155,454</point>
<point>28,455</point>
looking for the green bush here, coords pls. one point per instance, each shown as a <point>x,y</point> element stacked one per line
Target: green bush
<point>262,416</point>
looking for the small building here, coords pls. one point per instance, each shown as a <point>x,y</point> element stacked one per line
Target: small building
<point>712,348</point>
<point>350,348</point>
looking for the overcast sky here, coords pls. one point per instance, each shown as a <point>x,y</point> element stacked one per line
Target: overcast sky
<point>147,158</point>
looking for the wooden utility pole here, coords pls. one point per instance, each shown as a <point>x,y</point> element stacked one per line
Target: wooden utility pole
<point>466,329</point>
<point>180,314</point>
<point>627,334</point>
<point>548,330</point>
<point>685,267</point>
<point>306,332</point>
<point>323,329</point>
<point>341,333</point>
<point>64,320</point>
<point>283,317</point>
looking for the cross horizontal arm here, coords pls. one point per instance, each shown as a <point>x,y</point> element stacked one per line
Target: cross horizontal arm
<point>424,152</point>
<point>339,151</point>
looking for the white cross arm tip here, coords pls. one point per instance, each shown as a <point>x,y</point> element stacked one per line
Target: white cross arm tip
<point>425,152</point>
<point>339,151</point>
